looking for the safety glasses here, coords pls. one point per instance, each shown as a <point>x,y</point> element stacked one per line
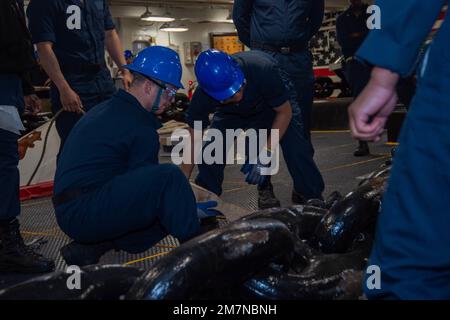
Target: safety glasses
<point>169,91</point>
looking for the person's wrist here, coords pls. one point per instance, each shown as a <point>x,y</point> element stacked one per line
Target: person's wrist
<point>64,87</point>
<point>384,78</point>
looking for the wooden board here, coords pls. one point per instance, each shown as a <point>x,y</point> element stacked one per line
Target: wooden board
<point>171,126</point>
<point>166,131</point>
<point>165,140</point>
<point>231,211</point>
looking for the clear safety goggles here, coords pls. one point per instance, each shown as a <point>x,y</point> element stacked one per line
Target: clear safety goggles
<point>170,92</point>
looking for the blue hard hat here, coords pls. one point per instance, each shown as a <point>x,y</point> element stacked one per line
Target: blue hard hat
<point>128,54</point>
<point>218,74</point>
<point>158,63</point>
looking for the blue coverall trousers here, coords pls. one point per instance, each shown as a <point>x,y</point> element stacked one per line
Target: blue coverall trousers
<point>299,67</point>
<point>11,95</point>
<point>9,176</point>
<point>134,210</point>
<point>357,75</point>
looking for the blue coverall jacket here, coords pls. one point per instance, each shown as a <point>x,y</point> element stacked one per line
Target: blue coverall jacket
<point>284,23</point>
<point>113,151</point>
<point>80,52</point>
<point>412,245</point>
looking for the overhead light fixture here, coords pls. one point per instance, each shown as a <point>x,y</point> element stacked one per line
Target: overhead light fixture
<point>228,19</point>
<point>148,16</point>
<point>174,27</point>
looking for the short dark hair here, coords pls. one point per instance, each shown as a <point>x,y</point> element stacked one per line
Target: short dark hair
<point>137,79</point>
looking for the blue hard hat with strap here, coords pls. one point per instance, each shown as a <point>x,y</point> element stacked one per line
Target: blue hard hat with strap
<point>218,74</point>
<point>159,63</point>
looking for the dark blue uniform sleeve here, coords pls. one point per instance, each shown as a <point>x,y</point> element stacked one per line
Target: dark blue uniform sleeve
<point>404,27</point>
<point>109,24</point>
<point>272,87</point>
<point>200,108</point>
<point>41,20</point>
<point>242,10</point>
<point>143,148</point>
<point>316,17</point>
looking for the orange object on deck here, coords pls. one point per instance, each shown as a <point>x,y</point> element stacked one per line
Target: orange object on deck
<point>28,142</point>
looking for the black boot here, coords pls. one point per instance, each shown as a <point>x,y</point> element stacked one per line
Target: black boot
<point>80,254</point>
<point>266,197</point>
<point>362,150</point>
<point>15,256</point>
<point>298,198</point>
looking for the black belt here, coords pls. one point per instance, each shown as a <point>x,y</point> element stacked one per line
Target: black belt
<point>80,68</point>
<point>282,50</point>
<point>69,195</point>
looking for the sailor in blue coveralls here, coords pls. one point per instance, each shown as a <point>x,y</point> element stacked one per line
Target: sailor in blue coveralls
<point>110,190</point>
<point>283,29</point>
<point>16,92</point>
<point>351,30</point>
<point>71,36</point>
<point>412,244</point>
<point>249,91</point>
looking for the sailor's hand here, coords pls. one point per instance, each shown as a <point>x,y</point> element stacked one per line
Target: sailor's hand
<point>70,100</point>
<point>369,112</point>
<point>127,78</point>
<point>205,209</point>
<point>256,174</point>
<point>33,103</point>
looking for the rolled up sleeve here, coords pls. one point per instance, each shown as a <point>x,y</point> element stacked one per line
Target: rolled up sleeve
<point>404,28</point>
<point>41,17</point>
<point>109,23</point>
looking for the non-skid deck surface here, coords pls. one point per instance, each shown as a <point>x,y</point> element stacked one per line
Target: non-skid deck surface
<point>334,156</point>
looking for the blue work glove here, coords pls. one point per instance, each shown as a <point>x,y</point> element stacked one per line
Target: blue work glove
<point>254,172</point>
<point>204,210</point>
